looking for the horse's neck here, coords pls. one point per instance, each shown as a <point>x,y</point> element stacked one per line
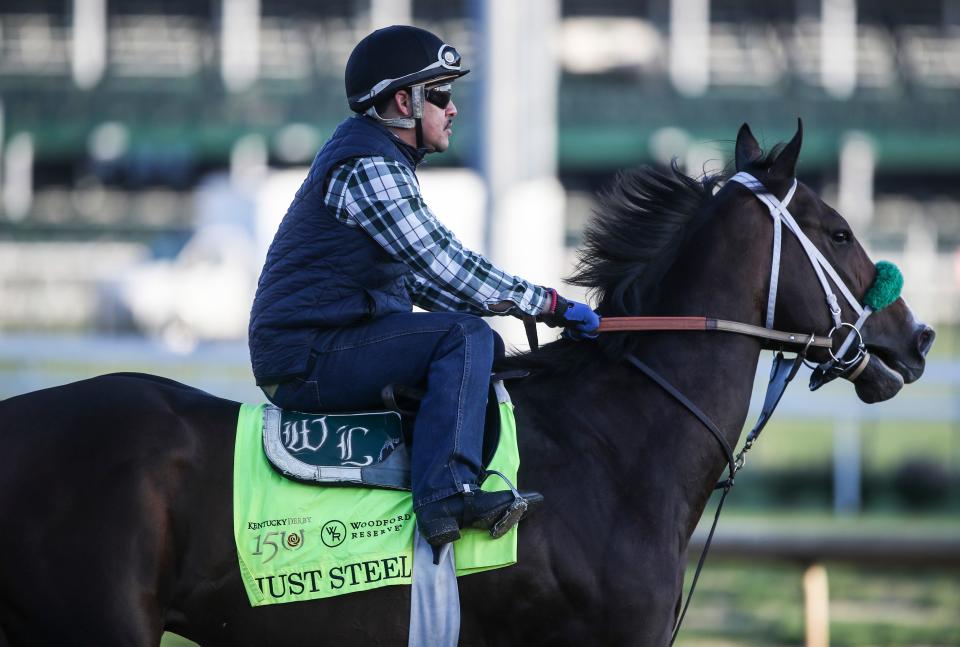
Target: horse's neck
<point>623,435</point>
<point>614,421</point>
<point>714,370</point>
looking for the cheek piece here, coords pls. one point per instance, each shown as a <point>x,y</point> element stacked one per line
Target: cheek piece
<point>884,291</point>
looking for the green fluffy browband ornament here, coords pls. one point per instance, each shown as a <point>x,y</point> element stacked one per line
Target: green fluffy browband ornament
<point>886,287</point>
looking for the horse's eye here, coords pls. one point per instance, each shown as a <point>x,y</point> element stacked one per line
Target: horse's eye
<point>842,236</point>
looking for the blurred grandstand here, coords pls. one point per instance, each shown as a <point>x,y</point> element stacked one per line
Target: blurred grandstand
<point>126,125</point>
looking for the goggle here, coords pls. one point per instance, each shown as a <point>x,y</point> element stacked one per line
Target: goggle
<point>439,95</point>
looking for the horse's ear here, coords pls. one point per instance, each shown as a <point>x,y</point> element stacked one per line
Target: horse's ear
<point>785,167</point>
<point>747,150</point>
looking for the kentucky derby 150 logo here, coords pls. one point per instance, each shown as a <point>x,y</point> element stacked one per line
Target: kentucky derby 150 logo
<point>268,544</point>
<point>333,533</point>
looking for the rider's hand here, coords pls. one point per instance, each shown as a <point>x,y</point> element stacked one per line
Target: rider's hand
<point>578,319</point>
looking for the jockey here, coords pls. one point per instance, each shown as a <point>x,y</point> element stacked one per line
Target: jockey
<point>332,321</point>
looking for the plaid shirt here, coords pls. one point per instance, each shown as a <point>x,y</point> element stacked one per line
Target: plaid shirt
<point>383,198</point>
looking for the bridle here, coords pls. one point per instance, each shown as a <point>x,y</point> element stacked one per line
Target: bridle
<point>783,370</point>
<point>838,365</point>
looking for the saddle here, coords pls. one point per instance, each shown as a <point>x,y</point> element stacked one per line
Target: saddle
<point>363,448</point>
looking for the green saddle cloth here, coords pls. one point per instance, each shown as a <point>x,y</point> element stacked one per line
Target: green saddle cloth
<point>298,541</point>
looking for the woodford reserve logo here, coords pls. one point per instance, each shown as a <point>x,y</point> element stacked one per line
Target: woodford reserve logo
<point>333,533</point>
<point>378,527</point>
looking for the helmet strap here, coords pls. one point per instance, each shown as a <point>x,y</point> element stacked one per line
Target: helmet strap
<point>419,133</point>
<point>416,96</point>
<point>413,121</point>
<point>398,122</point>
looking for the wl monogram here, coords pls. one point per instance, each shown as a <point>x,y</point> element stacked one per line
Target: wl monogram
<point>297,436</point>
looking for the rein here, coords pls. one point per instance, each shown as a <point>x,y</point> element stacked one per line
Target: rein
<point>708,324</point>
<point>781,373</point>
<point>635,324</point>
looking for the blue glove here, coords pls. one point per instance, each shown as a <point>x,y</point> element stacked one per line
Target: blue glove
<point>578,319</point>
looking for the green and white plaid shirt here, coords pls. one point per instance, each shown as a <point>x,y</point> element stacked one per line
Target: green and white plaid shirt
<point>383,198</point>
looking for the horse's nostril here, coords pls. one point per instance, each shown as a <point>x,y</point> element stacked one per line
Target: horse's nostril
<point>925,340</point>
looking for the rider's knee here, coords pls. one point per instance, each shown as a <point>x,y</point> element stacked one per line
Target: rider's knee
<point>499,348</point>
<point>477,332</point>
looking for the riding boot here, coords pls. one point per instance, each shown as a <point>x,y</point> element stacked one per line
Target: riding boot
<point>440,522</point>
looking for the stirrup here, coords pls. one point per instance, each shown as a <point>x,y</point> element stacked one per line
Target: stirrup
<point>512,515</point>
<point>510,518</point>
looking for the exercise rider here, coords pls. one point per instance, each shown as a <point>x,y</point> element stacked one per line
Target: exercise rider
<point>332,321</point>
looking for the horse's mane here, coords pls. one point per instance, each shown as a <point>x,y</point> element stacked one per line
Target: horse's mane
<point>634,238</point>
<point>641,223</point>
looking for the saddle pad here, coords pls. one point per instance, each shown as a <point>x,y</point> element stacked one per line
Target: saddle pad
<point>298,541</point>
<point>359,448</point>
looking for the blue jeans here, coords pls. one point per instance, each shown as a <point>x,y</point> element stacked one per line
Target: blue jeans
<point>451,354</point>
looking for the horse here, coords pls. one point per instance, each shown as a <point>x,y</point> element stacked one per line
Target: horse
<point>115,492</point>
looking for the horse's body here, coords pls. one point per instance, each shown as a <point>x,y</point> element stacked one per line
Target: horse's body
<point>115,492</point>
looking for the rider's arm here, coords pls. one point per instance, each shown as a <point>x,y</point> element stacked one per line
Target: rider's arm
<point>434,299</point>
<point>383,198</point>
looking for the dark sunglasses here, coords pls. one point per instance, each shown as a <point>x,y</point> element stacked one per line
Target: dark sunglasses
<point>439,96</point>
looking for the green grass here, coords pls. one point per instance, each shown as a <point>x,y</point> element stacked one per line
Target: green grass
<point>789,443</point>
<point>742,602</point>
<point>739,603</point>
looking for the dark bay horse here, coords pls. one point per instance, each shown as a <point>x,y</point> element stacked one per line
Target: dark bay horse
<point>115,492</point>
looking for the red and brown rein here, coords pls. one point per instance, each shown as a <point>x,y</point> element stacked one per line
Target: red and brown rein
<point>635,324</point>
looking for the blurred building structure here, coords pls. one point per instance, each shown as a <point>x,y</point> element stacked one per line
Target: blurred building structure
<point>114,114</point>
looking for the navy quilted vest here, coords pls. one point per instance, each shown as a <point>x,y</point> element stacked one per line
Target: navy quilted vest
<point>321,273</point>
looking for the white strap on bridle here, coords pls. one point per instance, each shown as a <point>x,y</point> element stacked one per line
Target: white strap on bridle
<point>822,267</point>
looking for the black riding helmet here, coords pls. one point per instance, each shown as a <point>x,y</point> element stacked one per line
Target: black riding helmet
<point>398,57</point>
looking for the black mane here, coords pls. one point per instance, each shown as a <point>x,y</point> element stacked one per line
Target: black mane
<point>635,235</point>
<point>632,241</point>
